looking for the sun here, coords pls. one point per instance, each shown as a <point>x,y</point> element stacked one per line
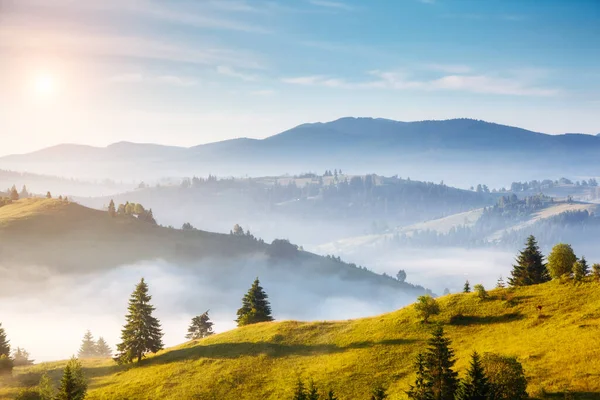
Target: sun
<point>44,84</point>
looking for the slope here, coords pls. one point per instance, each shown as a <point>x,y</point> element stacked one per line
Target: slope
<point>557,347</point>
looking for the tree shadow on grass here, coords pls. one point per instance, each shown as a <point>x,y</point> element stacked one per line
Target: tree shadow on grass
<point>461,319</point>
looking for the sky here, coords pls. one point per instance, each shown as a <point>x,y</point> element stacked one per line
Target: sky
<point>186,72</point>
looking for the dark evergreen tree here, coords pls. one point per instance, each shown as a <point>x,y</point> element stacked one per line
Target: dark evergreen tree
<point>255,306</point>
<point>331,395</point>
<point>200,327</point>
<point>14,195</point>
<point>4,343</point>
<point>580,269</point>
<point>111,208</point>
<point>313,392</point>
<point>379,393</point>
<point>88,347</point>
<point>300,391</point>
<point>103,350</point>
<point>46,389</point>
<point>596,272</point>
<point>530,268</point>
<point>467,287</point>
<point>48,195</point>
<point>142,333</point>
<point>73,385</point>
<point>475,386</point>
<point>439,361</point>
<point>422,387</point>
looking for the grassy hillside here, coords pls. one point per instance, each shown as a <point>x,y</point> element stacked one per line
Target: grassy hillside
<point>557,347</point>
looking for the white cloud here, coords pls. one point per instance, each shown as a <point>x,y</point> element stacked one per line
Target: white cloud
<point>331,4</point>
<point>173,80</point>
<point>229,71</point>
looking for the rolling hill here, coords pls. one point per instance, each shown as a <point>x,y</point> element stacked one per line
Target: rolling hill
<point>420,149</point>
<point>557,347</point>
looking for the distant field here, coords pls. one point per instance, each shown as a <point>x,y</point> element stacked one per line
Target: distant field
<point>558,348</point>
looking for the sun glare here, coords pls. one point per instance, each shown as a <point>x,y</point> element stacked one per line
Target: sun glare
<point>44,85</point>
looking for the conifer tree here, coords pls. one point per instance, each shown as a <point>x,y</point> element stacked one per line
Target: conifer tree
<point>255,306</point>
<point>103,350</point>
<point>299,391</point>
<point>379,393</point>
<point>46,389</point>
<point>331,395</point>
<point>467,287</point>
<point>4,343</point>
<point>596,271</point>
<point>200,327</point>
<point>112,212</point>
<point>14,195</point>
<point>21,357</point>
<point>24,193</point>
<point>48,195</point>
<point>439,361</point>
<point>500,283</point>
<point>422,388</point>
<point>530,268</point>
<point>73,385</point>
<point>313,392</point>
<point>142,333</point>
<point>580,269</point>
<point>475,386</point>
<point>88,346</point>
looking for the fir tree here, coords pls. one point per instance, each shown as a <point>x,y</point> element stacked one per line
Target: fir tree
<point>21,357</point>
<point>200,327</point>
<point>500,283</point>
<point>580,269</point>
<point>379,393</point>
<point>46,389</point>
<point>331,395</point>
<point>475,386</point>
<point>88,346</point>
<point>48,195</point>
<point>24,193</point>
<point>596,271</point>
<point>467,287</point>
<point>300,391</point>
<point>142,333</point>
<point>103,350</point>
<point>112,212</point>
<point>255,306</point>
<point>422,388</point>
<point>4,343</point>
<point>530,268</point>
<point>72,385</point>
<point>439,361</point>
<point>313,392</point>
<point>14,195</point>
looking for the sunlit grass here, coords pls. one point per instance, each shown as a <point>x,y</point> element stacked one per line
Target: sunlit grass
<point>559,349</point>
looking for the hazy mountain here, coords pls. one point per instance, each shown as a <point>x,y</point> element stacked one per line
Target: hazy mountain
<point>461,151</point>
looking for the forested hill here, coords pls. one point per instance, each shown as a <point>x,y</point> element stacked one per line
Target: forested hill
<point>69,238</point>
<point>361,144</point>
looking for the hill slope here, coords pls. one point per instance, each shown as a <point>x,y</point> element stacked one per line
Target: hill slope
<point>360,144</point>
<point>557,347</point>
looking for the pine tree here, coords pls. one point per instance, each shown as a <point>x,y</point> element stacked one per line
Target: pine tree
<point>475,386</point>
<point>21,357</point>
<point>255,306</point>
<point>331,395</point>
<point>200,327</point>
<point>72,385</point>
<point>88,346</point>
<point>467,287</point>
<point>596,271</point>
<point>580,269</point>
<point>439,361</point>
<point>379,393</point>
<point>24,193</point>
<point>530,268</point>
<point>313,392</point>
<point>112,212</point>
<point>142,333</point>
<point>422,388</point>
<point>300,391</point>
<point>103,350</point>
<point>14,195</point>
<point>4,343</point>
<point>46,390</point>
<point>500,283</point>
<point>48,195</point>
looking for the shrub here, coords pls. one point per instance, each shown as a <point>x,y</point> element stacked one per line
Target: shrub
<point>561,260</point>
<point>481,292</point>
<point>596,271</point>
<point>506,377</point>
<point>427,306</point>
<point>6,365</point>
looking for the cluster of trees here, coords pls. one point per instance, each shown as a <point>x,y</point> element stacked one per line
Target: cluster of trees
<point>8,360</point>
<point>73,385</point>
<point>12,194</point>
<point>131,209</point>
<point>91,348</point>
<point>545,184</point>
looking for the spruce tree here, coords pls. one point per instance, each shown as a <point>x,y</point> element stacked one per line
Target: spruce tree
<point>46,389</point>
<point>331,395</point>
<point>21,357</point>
<point>142,333</point>
<point>580,269</point>
<point>439,361</point>
<point>313,392</point>
<point>103,350</point>
<point>48,195</point>
<point>500,283</point>
<point>530,268</point>
<point>73,385</point>
<point>379,393</point>
<point>4,343</point>
<point>112,211</point>
<point>255,306</point>
<point>299,391</point>
<point>475,386</point>
<point>200,327</point>
<point>467,287</point>
<point>88,346</point>
<point>14,195</point>
<point>422,388</point>
<point>596,271</point>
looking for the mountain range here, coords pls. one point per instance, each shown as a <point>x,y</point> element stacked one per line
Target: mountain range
<point>359,145</point>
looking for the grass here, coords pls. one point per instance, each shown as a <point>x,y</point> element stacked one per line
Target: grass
<point>558,348</point>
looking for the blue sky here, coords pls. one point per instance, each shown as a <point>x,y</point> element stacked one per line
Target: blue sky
<point>185,72</point>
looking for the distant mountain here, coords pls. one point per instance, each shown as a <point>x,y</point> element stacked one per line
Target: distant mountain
<point>458,149</point>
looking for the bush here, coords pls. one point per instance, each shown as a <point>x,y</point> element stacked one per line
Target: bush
<point>506,377</point>
<point>427,306</point>
<point>28,394</point>
<point>6,365</point>
<point>481,292</point>
<point>596,271</point>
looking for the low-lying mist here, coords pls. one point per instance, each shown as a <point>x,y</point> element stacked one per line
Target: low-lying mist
<point>47,314</point>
